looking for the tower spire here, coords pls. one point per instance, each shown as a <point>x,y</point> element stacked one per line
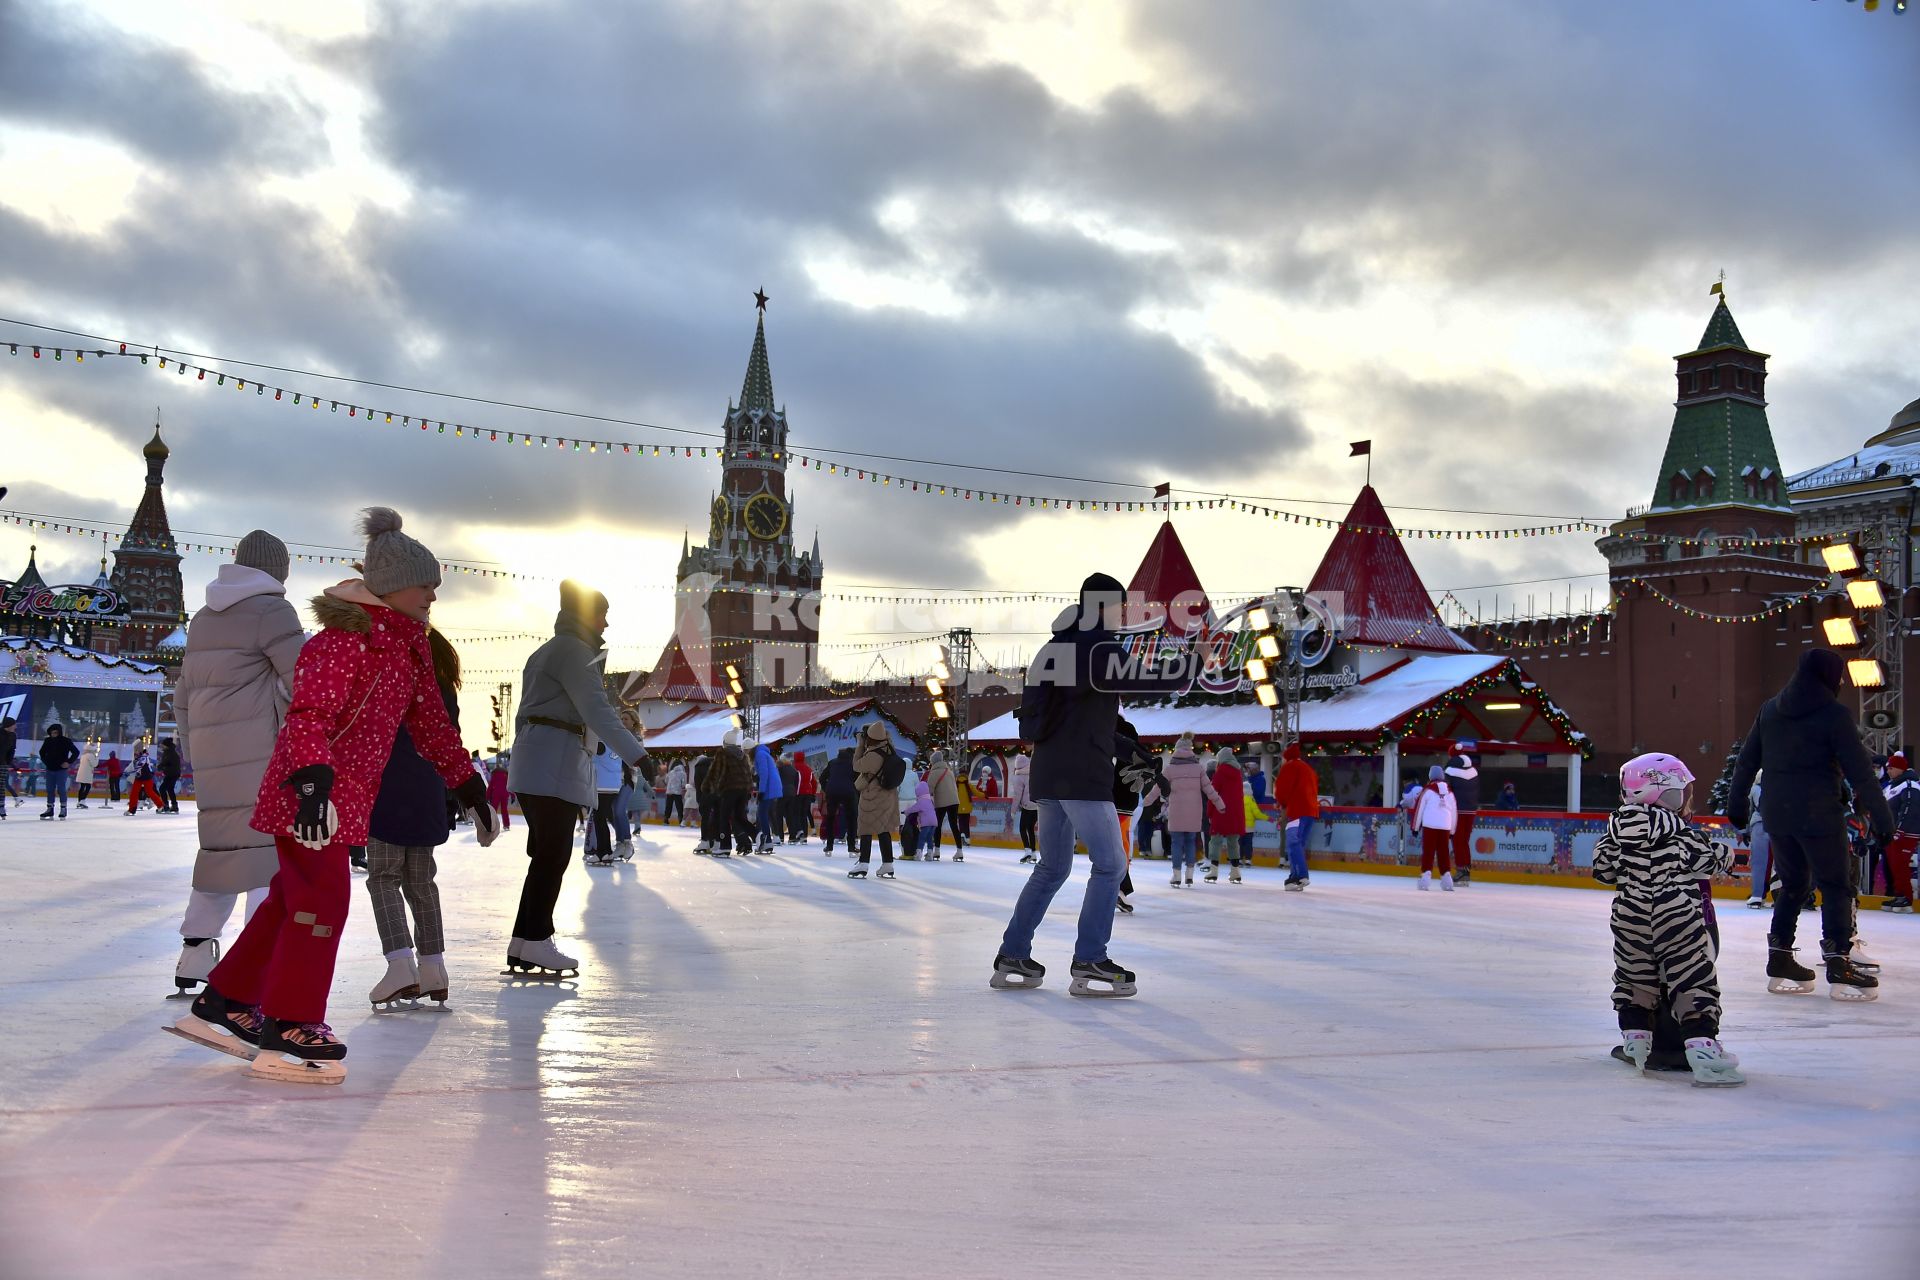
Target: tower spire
<point>756,392</point>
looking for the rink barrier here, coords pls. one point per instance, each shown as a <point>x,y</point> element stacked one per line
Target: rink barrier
<point>1509,846</point>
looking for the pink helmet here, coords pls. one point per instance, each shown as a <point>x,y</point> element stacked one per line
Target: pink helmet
<point>1655,778</point>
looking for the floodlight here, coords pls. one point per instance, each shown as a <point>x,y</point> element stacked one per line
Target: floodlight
<point>1840,557</point>
<point>1841,633</point>
<point>1865,673</point>
<point>1866,594</point>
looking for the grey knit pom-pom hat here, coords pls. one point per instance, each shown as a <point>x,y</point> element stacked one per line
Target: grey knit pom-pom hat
<point>394,561</point>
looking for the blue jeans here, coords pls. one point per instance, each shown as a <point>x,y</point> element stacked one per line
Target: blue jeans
<point>1095,824</point>
<point>57,786</point>
<point>1759,859</point>
<point>621,829</point>
<point>767,809</point>
<point>1297,848</point>
<point>1180,847</point>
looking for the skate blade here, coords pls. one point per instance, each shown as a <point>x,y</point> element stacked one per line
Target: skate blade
<point>1719,1082</point>
<point>1789,987</point>
<point>1853,995</point>
<point>541,975</point>
<point>1014,982</point>
<point>289,1069</point>
<point>409,999</point>
<point>1085,988</point>
<point>201,1033</point>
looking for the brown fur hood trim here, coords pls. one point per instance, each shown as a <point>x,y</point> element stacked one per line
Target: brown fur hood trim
<point>343,607</point>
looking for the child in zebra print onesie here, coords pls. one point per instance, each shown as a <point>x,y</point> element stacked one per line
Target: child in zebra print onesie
<point>1656,859</point>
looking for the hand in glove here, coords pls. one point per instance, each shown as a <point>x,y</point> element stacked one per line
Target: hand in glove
<point>317,819</point>
<point>472,795</point>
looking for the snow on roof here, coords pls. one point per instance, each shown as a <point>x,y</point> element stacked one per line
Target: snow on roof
<point>1362,711</point>
<point>703,730</point>
<point>67,664</point>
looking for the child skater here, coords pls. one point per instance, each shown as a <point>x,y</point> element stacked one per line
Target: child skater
<point>367,673</point>
<point>1656,859</point>
<point>409,821</point>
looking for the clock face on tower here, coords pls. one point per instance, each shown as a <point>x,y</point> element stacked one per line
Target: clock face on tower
<point>720,513</point>
<point>766,517</point>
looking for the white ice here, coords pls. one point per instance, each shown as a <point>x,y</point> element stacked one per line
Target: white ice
<point>767,1069</point>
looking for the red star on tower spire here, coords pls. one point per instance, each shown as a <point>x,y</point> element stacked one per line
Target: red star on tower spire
<point>760,300</point>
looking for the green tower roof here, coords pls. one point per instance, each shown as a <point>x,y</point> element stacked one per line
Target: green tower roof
<point>757,391</point>
<point>1721,438</point>
<point>1721,330</point>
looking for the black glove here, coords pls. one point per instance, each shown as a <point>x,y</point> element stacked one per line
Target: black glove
<point>317,820</point>
<point>1738,817</point>
<point>472,795</point>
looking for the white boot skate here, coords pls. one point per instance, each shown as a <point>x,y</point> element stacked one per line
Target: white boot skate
<point>623,850</point>
<point>540,961</point>
<point>1446,881</point>
<point>433,979</point>
<point>1426,881</point>
<point>196,962</point>
<point>1233,877</point>
<point>1713,1067</point>
<point>399,988</point>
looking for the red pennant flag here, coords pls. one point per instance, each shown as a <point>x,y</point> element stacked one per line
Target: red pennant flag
<point>1360,448</point>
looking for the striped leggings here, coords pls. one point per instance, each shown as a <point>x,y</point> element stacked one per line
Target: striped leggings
<point>392,871</point>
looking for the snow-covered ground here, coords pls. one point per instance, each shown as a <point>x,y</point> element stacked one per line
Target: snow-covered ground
<point>767,1069</point>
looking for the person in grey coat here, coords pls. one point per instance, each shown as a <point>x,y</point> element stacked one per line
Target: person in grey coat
<point>564,716</point>
<point>235,683</point>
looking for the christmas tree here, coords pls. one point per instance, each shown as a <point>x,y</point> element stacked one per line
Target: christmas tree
<point>1717,799</point>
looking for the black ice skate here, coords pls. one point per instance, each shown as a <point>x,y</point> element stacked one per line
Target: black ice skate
<point>1016,973</point>
<point>220,1024</point>
<point>1116,981</point>
<point>1785,975</point>
<point>299,1053</point>
<point>1845,979</point>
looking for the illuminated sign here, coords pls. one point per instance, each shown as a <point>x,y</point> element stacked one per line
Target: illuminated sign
<point>69,604</point>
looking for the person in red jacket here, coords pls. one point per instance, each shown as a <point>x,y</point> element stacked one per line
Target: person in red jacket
<point>1228,819</point>
<point>367,673</point>
<point>800,803</point>
<point>1296,789</point>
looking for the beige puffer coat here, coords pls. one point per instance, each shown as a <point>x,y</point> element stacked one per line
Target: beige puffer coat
<point>879,805</point>
<point>229,705</point>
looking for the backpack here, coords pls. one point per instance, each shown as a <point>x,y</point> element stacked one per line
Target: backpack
<point>893,771</point>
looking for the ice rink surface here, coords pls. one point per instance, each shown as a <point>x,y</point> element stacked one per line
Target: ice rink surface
<point>769,1070</point>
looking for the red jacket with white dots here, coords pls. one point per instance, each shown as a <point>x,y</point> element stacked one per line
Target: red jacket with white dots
<point>363,676</point>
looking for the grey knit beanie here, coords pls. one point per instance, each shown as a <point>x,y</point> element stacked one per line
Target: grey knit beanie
<point>394,561</point>
<point>261,550</point>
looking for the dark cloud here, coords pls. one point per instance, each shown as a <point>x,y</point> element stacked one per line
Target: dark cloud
<point>60,71</point>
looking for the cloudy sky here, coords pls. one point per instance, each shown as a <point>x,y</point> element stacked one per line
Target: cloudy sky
<point>1209,244</point>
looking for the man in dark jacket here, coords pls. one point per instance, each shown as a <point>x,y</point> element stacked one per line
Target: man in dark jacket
<point>1903,798</point>
<point>1804,737</point>
<point>57,755</point>
<point>785,829</point>
<point>9,743</point>
<point>1463,779</point>
<point>705,801</point>
<point>1070,711</point>
<point>842,799</point>
<point>169,776</point>
<point>730,782</point>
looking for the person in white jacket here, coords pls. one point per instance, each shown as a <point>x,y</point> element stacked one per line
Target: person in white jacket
<point>235,683</point>
<point>1434,816</point>
<point>909,796</point>
<point>83,772</point>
